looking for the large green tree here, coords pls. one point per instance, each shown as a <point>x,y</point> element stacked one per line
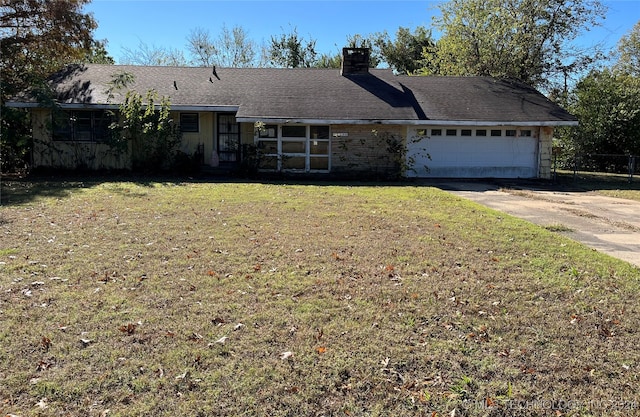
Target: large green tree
<point>405,53</point>
<point>37,38</point>
<point>629,52</point>
<point>529,40</point>
<point>290,50</point>
<point>607,104</point>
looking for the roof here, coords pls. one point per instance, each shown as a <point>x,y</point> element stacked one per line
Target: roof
<point>274,94</point>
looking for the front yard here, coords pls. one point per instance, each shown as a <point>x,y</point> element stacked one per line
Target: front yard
<point>231,299</point>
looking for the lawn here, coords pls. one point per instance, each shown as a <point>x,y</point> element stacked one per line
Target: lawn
<point>612,185</point>
<point>275,299</point>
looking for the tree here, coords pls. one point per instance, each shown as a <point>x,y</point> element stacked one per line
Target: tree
<point>201,47</point>
<point>405,53</point>
<point>607,104</point>
<point>629,52</point>
<point>528,40</point>
<point>232,48</point>
<point>289,50</point>
<point>152,55</point>
<point>37,38</point>
<point>148,125</point>
<point>98,54</point>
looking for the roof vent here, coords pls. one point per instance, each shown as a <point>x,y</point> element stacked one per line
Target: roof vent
<point>355,61</point>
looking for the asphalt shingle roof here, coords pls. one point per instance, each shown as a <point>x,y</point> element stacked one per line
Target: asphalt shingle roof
<point>317,94</point>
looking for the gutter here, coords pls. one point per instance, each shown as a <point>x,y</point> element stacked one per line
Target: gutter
<point>409,122</point>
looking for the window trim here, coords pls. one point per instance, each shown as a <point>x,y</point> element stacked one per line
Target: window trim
<point>99,121</point>
<point>307,141</point>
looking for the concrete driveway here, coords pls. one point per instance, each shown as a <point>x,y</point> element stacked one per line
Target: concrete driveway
<point>606,224</point>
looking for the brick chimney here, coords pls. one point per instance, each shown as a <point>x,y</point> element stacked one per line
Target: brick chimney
<point>355,61</point>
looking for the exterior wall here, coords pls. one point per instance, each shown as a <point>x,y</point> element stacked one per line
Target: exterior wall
<point>364,150</point>
<point>70,154</point>
<point>204,135</point>
<point>545,153</point>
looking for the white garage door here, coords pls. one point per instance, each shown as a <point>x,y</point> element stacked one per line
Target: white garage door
<point>472,153</point>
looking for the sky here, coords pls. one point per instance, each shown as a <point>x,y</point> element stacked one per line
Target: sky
<point>168,23</point>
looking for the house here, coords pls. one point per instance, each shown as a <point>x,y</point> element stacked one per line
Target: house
<point>351,121</point>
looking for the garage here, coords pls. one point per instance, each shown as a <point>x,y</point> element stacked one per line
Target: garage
<point>472,152</point>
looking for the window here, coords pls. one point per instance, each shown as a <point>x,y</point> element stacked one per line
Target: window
<point>510,132</point>
<point>436,132</point>
<point>526,133</point>
<point>481,132</point>
<point>268,131</point>
<point>452,132</point>
<point>82,125</point>
<point>189,122</point>
<point>465,132</point>
<point>496,132</point>
<point>294,148</point>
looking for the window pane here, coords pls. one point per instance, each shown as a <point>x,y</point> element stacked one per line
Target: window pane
<point>319,147</point>
<point>61,125</point>
<point>269,131</point>
<point>496,132</point>
<point>268,146</point>
<point>320,163</point>
<point>268,162</point>
<point>510,132</point>
<point>82,125</point>
<point>525,133</point>
<point>293,147</point>
<point>481,132</point>
<point>436,132</point>
<point>465,132</point>
<point>452,132</point>
<point>101,122</point>
<point>295,162</point>
<point>189,122</point>
<point>294,131</point>
<point>319,132</point>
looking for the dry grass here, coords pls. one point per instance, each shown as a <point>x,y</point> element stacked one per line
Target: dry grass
<point>126,299</point>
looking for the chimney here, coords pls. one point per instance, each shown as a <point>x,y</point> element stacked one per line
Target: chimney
<point>355,61</point>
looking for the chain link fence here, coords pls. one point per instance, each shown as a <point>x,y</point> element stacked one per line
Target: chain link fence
<point>611,168</point>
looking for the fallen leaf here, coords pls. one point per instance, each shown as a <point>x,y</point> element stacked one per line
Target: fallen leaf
<point>321,350</point>
<point>127,328</point>
<point>222,340</point>
<point>218,321</point>
<point>238,326</point>
<point>286,355</point>
<point>46,343</point>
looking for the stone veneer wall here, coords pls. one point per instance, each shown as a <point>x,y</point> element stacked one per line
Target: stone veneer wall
<point>545,141</point>
<point>364,152</point>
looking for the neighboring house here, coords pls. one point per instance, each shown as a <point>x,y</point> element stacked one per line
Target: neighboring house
<point>349,122</point>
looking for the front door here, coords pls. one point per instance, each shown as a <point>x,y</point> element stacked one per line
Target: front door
<point>228,138</point>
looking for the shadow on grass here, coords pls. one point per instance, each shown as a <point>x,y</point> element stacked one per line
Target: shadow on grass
<point>594,181</point>
<point>18,191</point>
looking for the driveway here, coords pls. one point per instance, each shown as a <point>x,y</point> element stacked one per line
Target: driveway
<point>606,224</point>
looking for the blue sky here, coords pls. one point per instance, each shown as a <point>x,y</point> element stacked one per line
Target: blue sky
<point>167,23</point>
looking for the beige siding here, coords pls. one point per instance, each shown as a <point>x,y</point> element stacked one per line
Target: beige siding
<point>69,154</point>
<point>205,135</point>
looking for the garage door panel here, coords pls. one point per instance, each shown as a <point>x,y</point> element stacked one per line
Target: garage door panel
<point>474,157</point>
